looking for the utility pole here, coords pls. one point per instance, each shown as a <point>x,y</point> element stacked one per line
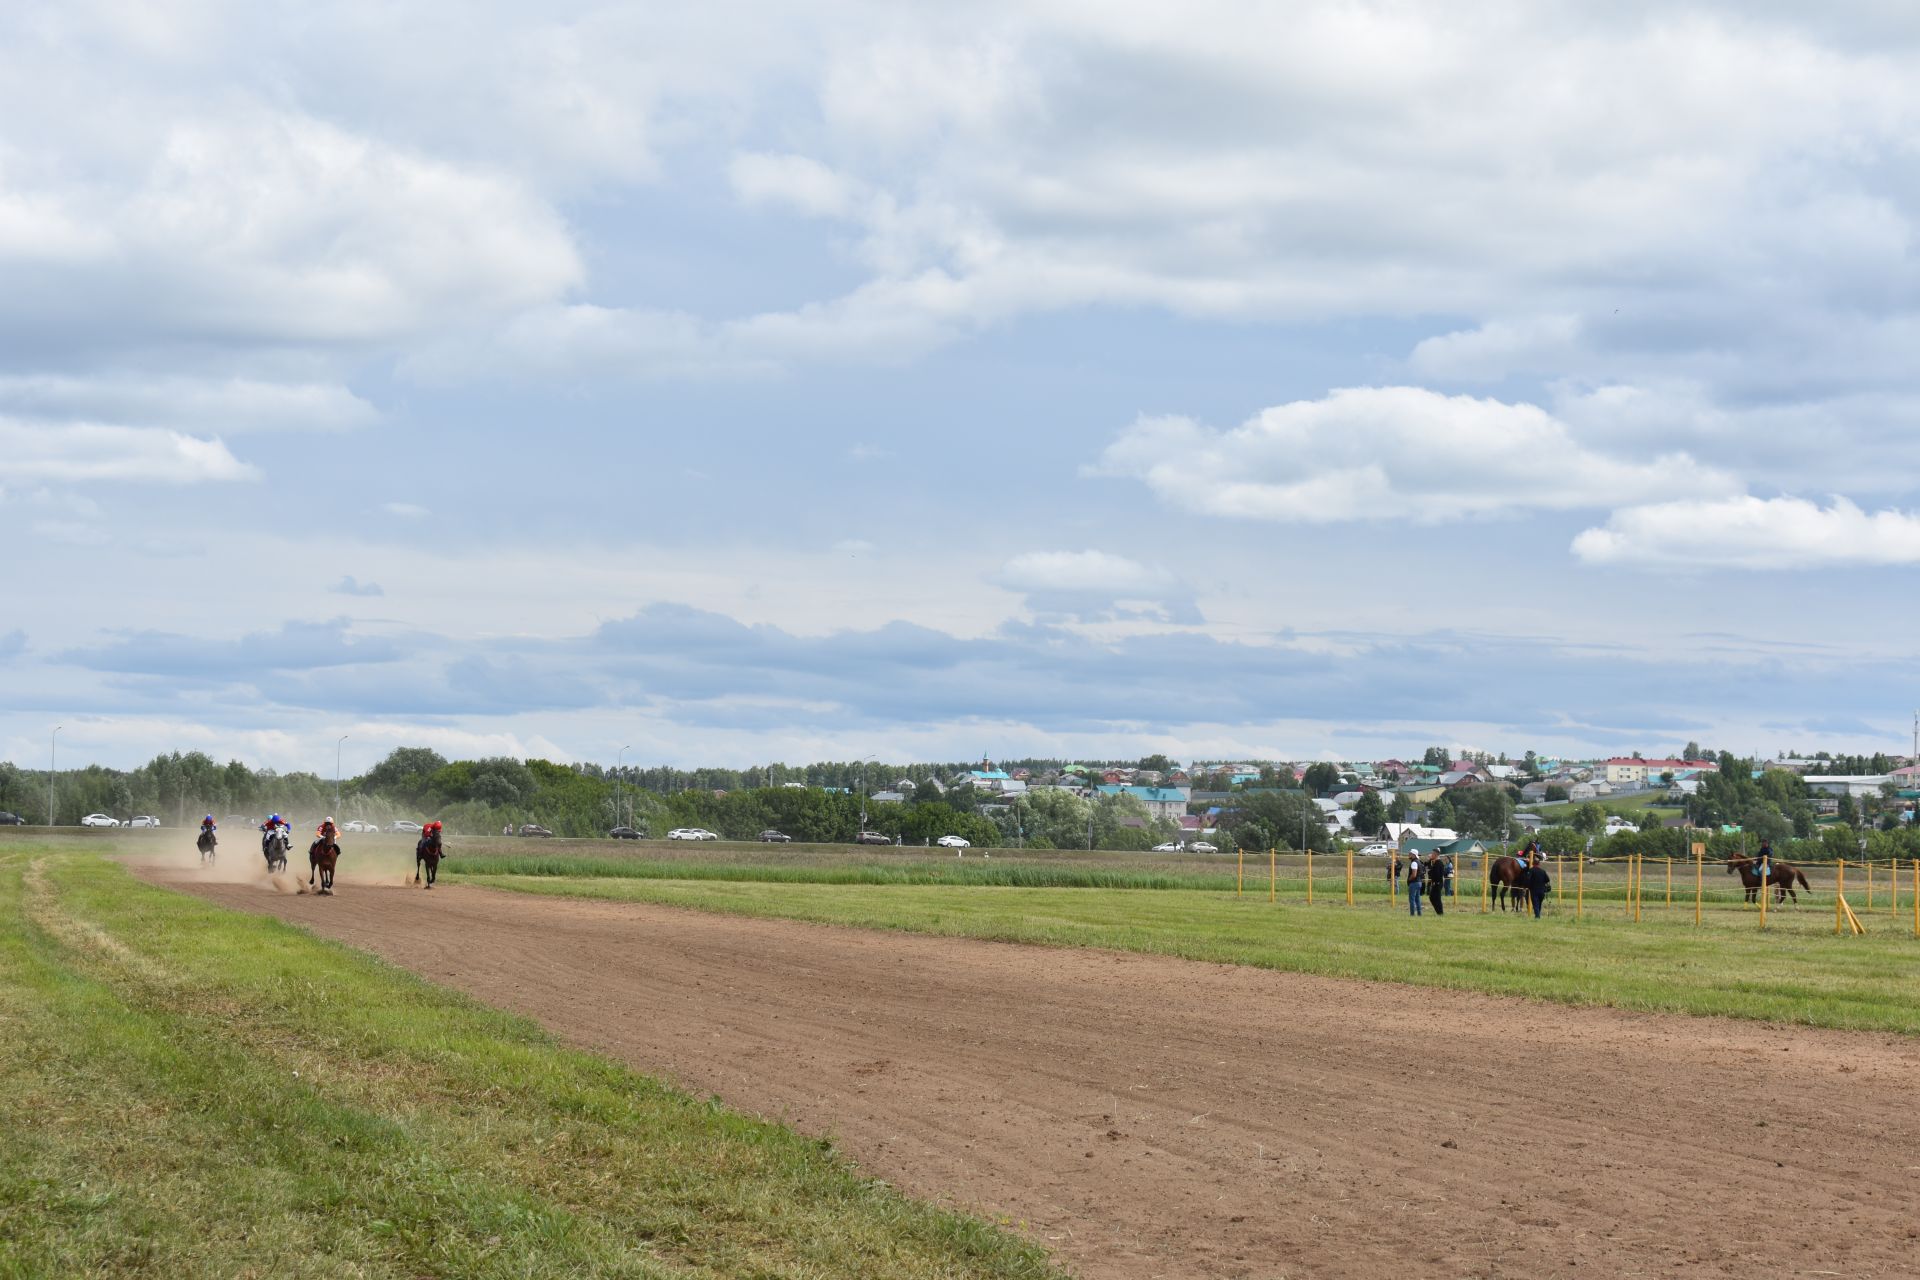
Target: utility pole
<point>53,750</point>
<point>619,793</point>
<point>336,773</point>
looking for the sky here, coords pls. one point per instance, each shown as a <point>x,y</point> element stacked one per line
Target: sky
<point>744,382</point>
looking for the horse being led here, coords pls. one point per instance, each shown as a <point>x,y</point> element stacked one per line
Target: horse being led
<point>321,856</point>
<point>274,846</point>
<point>1781,875</point>
<point>1508,876</point>
<point>427,853</point>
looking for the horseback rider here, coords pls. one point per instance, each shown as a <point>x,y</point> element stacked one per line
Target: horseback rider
<point>328,833</point>
<point>269,828</point>
<point>208,826</point>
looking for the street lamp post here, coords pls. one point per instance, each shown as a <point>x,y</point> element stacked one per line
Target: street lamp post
<point>336,771</point>
<point>618,794</point>
<point>53,752</point>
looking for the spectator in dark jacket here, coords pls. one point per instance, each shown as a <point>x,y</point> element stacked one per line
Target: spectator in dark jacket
<point>1439,872</point>
<point>1539,885</point>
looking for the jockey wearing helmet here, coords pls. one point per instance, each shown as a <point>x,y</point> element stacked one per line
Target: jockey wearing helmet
<point>207,823</point>
<point>328,832</point>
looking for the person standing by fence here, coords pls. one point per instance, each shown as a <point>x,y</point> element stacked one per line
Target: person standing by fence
<point>1439,871</point>
<point>1539,884</point>
<point>1416,877</point>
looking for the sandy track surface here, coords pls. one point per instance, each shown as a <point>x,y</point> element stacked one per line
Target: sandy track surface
<point>1152,1117</point>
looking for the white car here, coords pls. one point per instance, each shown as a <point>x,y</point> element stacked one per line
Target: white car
<point>1378,849</point>
<point>952,842</point>
<point>144,820</point>
<point>360,828</point>
<point>691,833</point>
<point>98,820</point>
<point>1166,848</point>
<point>402,827</point>
<point>1201,846</point>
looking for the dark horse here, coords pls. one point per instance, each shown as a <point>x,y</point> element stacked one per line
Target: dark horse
<point>322,854</point>
<point>206,844</point>
<point>1508,876</point>
<point>1781,875</point>
<point>274,846</point>
<point>427,853</point>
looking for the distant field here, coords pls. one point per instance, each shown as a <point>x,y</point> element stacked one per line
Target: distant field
<point>190,1091</point>
<point>1796,971</point>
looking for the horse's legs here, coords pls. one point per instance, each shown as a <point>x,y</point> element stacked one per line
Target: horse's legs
<point>433,871</point>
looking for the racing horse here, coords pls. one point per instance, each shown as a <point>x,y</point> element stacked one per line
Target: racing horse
<point>427,853</point>
<point>1781,875</point>
<point>1508,876</point>
<point>274,846</point>
<point>206,844</point>
<point>321,855</point>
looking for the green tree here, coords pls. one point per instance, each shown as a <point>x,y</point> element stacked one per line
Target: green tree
<point>1369,814</point>
<point>1588,819</point>
<point>1320,778</point>
<point>1157,763</point>
<point>1437,756</point>
<point>1397,808</point>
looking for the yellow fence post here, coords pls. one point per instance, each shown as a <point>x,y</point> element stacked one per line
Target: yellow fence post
<point>1839,888</point>
<point>1240,873</point>
<point>1580,891</point>
<point>1273,874</point>
<point>1486,870</point>
<point>1869,886</point>
<point>1916,897</point>
<point>1762,895</point>
<point>1634,892</point>
<point>1669,862</point>
<point>1349,875</point>
<point>1309,875</point>
<point>1699,882</point>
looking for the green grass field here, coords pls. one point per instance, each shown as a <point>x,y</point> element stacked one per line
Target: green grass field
<point>1796,971</point>
<point>189,1091</point>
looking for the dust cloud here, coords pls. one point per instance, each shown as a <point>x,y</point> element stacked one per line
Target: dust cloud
<point>367,861</point>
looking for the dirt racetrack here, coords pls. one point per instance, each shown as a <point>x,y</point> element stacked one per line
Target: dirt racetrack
<point>1152,1117</point>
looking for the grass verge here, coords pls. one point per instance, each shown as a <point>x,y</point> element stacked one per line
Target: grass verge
<point>190,1091</point>
<point>1796,972</point>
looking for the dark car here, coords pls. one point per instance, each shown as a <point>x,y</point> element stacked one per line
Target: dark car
<point>626,833</point>
<point>872,837</point>
<point>11,820</point>
<point>534,829</point>
<point>770,836</point>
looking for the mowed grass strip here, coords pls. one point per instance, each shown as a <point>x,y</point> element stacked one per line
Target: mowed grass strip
<point>1004,872</point>
<point>190,1091</point>
<point>1796,972</point>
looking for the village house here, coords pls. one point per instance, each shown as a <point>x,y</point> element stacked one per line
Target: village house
<point>1161,802</point>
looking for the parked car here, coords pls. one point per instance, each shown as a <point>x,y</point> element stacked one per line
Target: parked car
<point>691,833</point>
<point>1201,846</point>
<point>624,833</point>
<point>98,820</point>
<point>1378,849</point>
<point>533,829</point>
<point>953,842</point>
<point>404,827</point>
<point>770,836</point>
<point>11,819</point>
<point>144,820</point>
<point>1166,848</point>
<point>872,837</point>
<point>360,827</point>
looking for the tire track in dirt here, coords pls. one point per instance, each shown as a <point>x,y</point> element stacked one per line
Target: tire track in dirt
<point>1150,1117</point>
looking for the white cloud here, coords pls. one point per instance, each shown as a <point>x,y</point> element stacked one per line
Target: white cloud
<point>1753,533</point>
<point>405,510</point>
<point>797,181</point>
<point>1390,453</point>
<point>86,452</point>
<point>1090,571</point>
<point>1497,348</point>
<point>191,403</point>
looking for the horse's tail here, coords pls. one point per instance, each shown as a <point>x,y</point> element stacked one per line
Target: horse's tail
<point>1801,876</point>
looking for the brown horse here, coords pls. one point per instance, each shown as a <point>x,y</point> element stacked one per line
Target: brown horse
<point>1781,875</point>
<point>1508,876</point>
<point>427,853</point>
<point>321,856</point>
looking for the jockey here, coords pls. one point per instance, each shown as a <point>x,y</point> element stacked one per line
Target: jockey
<point>1763,861</point>
<point>328,833</point>
<point>207,824</point>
